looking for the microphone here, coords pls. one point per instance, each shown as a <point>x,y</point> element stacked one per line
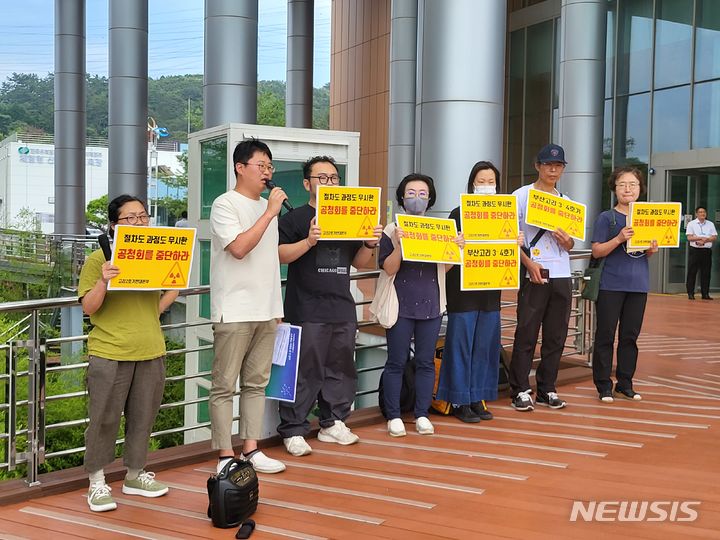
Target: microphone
<point>104,242</point>
<point>270,185</point>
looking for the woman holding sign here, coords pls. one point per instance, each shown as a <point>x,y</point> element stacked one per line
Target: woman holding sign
<point>420,288</point>
<point>469,371</point>
<point>624,284</point>
<point>126,367</point>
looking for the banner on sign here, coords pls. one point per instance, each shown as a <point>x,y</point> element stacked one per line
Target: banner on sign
<point>428,239</point>
<point>658,221</point>
<point>488,217</point>
<point>347,213</point>
<point>490,265</point>
<point>151,258</point>
<point>551,212</point>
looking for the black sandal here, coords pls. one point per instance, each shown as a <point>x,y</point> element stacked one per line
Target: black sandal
<point>246,529</point>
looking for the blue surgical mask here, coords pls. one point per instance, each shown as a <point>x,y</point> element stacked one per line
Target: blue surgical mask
<point>415,206</point>
<point>484,189</point>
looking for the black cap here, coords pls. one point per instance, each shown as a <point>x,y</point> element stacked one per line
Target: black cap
<point>552,153</point>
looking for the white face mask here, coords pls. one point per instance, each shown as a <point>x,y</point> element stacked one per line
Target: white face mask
<point>484,189</point>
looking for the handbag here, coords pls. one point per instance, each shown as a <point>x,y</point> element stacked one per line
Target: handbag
<point>592,274</point>
<point>232,494</point>
<point>385,307</point>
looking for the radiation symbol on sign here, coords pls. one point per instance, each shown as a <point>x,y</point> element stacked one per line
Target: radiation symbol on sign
<point>366,228</point>
<point>450,254</point>
<point>668,237</point>
<point>572,230</point>
<point>507,230</point>
<point>174,278</point>
<point>509,279</point>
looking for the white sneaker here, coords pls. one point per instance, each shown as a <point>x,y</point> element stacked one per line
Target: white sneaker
<point>396,428</point>
<point>262,463</point>
<point>297,446</point>
<point>424,426</point>
<point>338,433</point>
<point>99,498</point>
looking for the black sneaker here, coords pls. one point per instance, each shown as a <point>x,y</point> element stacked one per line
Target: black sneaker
<point>606,396</point>
<point>628,394</point>
<point>481,410</point>
<point>551,400</point>
<point>522,402</point>
<point>466,414</point>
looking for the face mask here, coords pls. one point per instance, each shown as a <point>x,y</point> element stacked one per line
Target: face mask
<point>484,189</point>
<point>415,206</point>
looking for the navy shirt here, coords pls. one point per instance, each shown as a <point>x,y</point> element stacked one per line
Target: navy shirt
<point>622,271</point>
<point>416,285</point>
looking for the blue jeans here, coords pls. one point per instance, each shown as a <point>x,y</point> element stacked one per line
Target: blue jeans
<point>398,344</point>
<point>470,366</point>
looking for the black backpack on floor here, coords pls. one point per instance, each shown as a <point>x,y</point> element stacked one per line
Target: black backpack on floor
<point>232,494</point>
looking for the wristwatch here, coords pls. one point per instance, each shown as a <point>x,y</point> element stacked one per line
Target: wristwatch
<point>370,247</point>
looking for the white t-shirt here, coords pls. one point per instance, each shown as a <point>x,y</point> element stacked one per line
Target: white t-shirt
<point>546,251</point>
<point>247,289</point>
<point>705,229</point>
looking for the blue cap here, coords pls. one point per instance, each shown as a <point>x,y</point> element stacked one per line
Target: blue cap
<point>552,153</point>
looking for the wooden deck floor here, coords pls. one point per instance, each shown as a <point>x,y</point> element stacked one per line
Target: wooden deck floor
<point>514,477</point>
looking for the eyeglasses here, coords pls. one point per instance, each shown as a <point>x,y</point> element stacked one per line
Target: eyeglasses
<point>327,178</point>
<point>132,219</point>
<point>629,185</point>
<point>411,194</point>
<point>263,166</point>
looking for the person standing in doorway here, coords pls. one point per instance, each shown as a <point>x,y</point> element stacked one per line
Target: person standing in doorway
<point>701,234</point>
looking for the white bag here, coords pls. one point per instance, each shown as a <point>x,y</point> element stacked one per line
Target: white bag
<point>384,307</point>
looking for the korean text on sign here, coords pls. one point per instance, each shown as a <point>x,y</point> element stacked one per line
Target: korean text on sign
<point>490,265</point>
<point>655,221</point>
<point>488,217</point>
<point>428,239</point>
<point>551,212</point>
<point>347,213</point>
<point>151,258</point>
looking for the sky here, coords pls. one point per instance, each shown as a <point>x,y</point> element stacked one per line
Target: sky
<point>175,39</point>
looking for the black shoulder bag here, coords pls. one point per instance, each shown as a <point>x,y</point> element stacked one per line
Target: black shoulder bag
<point>591,277</point>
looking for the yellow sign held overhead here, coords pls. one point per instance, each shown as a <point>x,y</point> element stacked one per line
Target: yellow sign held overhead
<point>347,213</point>
<point>658,221</point>
<point>152,257</point>
<point>488,217</point>
<point>551,212</point>
<point>428,239</point>
<point>490,265</point>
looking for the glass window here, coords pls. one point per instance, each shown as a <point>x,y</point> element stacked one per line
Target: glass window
<point>515,102</point>
<point>706,115</point>
<point>671,120</point>
<point>707,40</point>
<point>632,129</point>
<point>538,88</point>
<point>213,173</point>
<point>205,277</point>
<point>673,42</point>
<point>634,62</point>
<point>610,51</point>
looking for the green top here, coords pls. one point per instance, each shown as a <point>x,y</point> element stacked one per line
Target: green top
<point>127,325</point>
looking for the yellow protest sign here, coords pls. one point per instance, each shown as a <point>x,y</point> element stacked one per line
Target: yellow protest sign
<point>551,212</point>
<point>428,239</point>
<point>152,257</point>
<point>488,217</point>
<point>658,221</point>
<point>347,213</point>
<point>490,265</point>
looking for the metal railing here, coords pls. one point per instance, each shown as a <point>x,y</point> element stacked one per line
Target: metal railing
<point>27,365</point>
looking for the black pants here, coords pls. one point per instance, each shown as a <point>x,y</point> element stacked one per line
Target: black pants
<point>326,374</point>
<point>699,259</point>
<point>547,305</point>
<point>627,309</point>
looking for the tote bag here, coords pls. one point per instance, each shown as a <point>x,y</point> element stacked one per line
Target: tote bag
<point>384,307</point>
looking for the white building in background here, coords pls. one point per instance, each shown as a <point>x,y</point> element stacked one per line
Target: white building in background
<point>27,179</point>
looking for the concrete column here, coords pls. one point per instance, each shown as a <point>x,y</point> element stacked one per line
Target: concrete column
<point>127,97</point>
<point>583,27</point>
<point>70,116</point>
<point>459,106</point>
<point>230,79</point>
<point>299,86</point>
<point>403,71</point>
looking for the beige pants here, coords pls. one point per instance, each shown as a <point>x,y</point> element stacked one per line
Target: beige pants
<point>244,350</point>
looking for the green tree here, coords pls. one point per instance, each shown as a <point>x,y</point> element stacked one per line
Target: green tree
<point>96,213</point>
